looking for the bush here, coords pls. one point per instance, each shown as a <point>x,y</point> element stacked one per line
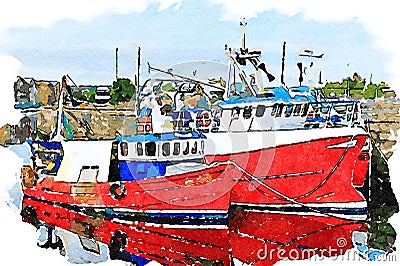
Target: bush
<point>122,91</point>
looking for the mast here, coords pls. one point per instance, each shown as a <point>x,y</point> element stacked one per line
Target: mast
<point>283,63</point>
<point>138,67</point>
<point>320,78</point>
<point>138,84</point>
<point>116,63</point>
<point>243,24</point>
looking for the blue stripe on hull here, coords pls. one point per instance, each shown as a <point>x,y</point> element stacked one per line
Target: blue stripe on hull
<point>170,218</point>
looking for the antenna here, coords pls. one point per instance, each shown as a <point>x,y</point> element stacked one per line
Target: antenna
<point>283,63</point>
<point>138,67</point>
<point>320,77</point>
<point>116,63</point>
<point>137,83</point>
<point>243,24</point>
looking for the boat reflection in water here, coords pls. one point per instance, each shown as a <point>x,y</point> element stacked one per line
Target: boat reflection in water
<point>245,236</point>
<point>265,238</point>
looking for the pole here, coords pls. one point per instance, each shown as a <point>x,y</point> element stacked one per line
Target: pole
<point>243,24</point>
<point>138,68</point>
<point>138,84</point>
<point>283,63</point>
<point>116,63</point>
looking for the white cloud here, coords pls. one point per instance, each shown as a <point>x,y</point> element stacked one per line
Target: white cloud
<point>22,13</point>
<point>380,18</point>
<point>167,3</point>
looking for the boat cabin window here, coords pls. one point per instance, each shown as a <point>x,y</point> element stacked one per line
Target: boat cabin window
<point>260,110</point>
<point>186,148</point>
<point>235,113</point>
<point>150,148</point>
<point>355,116</point>
<point>114,150</point>
<point>274,108</point>
<point>147,127</point>
<point>177,148</point>
<point>139,149</point>
<point>247,112</point>
<point>305,110</point>
<point>166,149</point>
<point>194,149</point>
<point>289,109</point>
<point>277,110</point>
<point>124,148</point>
<point>297,110</point>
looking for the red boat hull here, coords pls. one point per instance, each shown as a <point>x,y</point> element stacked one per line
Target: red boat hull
<point>207,189</point>
<point>317,171</point>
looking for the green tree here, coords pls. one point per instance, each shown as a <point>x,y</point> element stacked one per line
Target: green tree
<point>373,91</point>
<point>90,93</point>
<point>355,86</point>
<point>122,91</point>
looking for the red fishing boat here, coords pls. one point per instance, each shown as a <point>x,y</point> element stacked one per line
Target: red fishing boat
<point>250,169</point>
<point>184,204</point>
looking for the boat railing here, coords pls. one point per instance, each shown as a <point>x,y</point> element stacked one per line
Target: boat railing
<point>286,115</point>
<point>333,114</point>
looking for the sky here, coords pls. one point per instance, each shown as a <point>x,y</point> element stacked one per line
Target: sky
<point>44,40</point>
<point>47,39</point>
